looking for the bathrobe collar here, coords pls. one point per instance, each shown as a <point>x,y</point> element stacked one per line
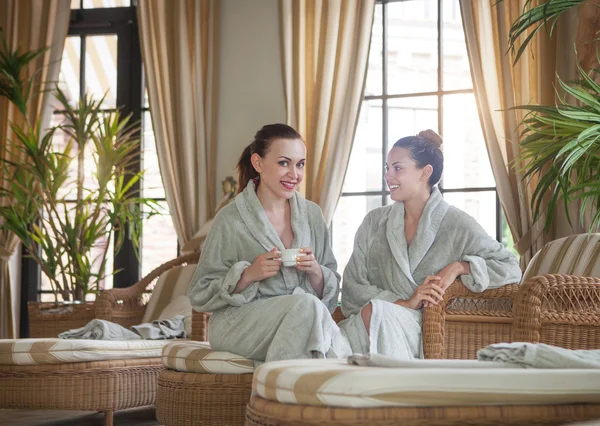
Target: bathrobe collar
<point>408,258</point>
<point>254,217</point>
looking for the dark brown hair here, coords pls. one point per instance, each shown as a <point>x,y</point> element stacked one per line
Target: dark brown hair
<point>425,148</point>
<point>261,144</point>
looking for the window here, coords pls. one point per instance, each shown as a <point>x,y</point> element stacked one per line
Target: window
<point>418,78</point>
<point>102,54</point>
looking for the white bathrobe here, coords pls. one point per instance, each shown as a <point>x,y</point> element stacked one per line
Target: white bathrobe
<point>277,318</point>
<point>383,268</point>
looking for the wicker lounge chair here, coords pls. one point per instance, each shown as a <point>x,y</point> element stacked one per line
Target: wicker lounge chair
<point>554,309</point>
<point>98,385</point>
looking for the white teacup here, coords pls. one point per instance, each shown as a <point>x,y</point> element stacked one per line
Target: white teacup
<point>288,256</point>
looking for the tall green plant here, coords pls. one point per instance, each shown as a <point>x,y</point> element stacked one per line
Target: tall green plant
<point>533,19</point>
<point>61,227</point>
<point>559,148</point>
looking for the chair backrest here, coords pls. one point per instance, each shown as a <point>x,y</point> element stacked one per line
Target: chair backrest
<point>574,255</point>
<point>171,283</point>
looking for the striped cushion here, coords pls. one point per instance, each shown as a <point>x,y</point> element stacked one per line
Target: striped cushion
<point>575,255</point>
<point>170,284</point>
<point>56,351</point>
<point>423,383</point>
<point>198,357</point>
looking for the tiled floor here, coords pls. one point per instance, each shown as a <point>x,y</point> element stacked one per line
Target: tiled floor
<point>145,416</point>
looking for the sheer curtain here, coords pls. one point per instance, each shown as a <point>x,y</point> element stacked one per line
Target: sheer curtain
<point>29,25</point>
<point>179,42</point>
<point>325,48</point>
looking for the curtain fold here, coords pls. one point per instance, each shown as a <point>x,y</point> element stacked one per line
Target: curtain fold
<point>499,86</point>
<point>179,41</point>
<point>30,25</point>
<point>325,49</point>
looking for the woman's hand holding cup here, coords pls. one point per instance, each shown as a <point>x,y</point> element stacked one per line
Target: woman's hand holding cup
<point>264,266</point>
<point>306,262</point>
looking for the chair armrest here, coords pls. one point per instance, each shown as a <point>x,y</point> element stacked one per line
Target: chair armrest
<point>560,310</point>
<point>126,306</point>
<point>200,326</point>
<point>467,320</point>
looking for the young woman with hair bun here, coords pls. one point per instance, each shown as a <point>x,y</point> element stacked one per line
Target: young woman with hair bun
<point>407,254</point>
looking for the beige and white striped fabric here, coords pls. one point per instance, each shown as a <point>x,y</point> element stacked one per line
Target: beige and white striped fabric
<point>198,357</point>
<point>170,284</point>
<point>424,383</point>
<point>57,351</point>
<point>574,255</point>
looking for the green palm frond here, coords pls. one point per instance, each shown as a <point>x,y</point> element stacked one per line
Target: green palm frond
<point>560,148</point>
<point>535,18</point>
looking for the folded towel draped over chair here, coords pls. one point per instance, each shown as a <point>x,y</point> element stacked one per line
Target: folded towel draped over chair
<point>105,330</point>
<point>540,355</point>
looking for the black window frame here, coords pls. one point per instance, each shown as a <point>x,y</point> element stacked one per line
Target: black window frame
<point>439,94</point>
<point>122,22</point>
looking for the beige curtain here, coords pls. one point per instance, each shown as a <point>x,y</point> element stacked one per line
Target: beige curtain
<point>179,47</point>
<point>499,86</point>
<point>325,46</point>
<point>30,25</point>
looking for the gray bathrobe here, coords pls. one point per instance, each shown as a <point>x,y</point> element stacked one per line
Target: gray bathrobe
<point>277,318</point>
<point>384,269</point>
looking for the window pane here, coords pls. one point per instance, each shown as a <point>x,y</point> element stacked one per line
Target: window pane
<point>75,4</point>
<point>101,68</point>
<point>365,171</point>
<point>159,240</point>
<point>466,161</point>
<point>480,205</point>
<point>152,186</point>
<point>408,116</point>
<point>412,46</point>
<point>68,79</point>
<point>456,72</point>
<point>374,84</point>
<point>99,4</point>
<point>348,216</point>
<point>146,103</point>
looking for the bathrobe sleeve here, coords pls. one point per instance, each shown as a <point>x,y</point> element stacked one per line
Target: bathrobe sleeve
<point>357,290</point>
<point>219,268</point>
<point>492,265</point>
<point>324,256</point>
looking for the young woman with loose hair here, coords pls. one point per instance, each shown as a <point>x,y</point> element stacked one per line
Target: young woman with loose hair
<point>261,309</point>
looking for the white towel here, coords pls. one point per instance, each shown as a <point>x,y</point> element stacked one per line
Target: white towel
<point>378,360</point>
<point>171,328</point>
<point>98,329</point>
<point>539,355</point>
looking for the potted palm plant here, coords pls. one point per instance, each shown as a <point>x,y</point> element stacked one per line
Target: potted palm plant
<point>560,145</point>
<point>63,218</point>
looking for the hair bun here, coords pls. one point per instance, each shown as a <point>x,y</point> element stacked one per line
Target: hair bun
<point>435,139</point>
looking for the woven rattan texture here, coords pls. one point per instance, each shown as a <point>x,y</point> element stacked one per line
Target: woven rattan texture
<point>126,306</point>
<point>561,310</point>
<point>108,386</point>
<point>261,412</point>
<point>185,399</point>
<point>50,319</point>
<point>466,321</point>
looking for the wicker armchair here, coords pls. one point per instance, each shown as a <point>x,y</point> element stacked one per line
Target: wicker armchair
<point>466,321</point>
<point>126,306</point>
<point>559,310</point>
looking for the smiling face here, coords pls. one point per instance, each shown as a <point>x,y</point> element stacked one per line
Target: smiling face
<point>403,176</point>
<point>282,168</point>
